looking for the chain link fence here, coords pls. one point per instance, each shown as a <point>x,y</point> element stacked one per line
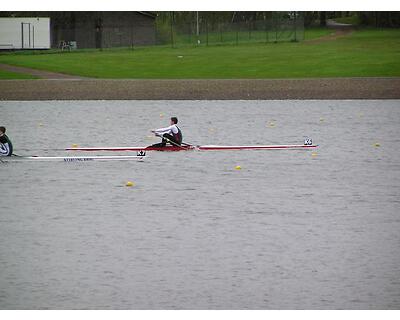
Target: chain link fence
<point>274,29</point>
<point>123,33</point>
<point>103,37</point>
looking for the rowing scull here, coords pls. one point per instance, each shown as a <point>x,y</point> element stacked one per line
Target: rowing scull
<point>193,147</point>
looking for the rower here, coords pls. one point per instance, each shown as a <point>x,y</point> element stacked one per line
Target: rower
<point>6,147</point>
<point>171,134</point>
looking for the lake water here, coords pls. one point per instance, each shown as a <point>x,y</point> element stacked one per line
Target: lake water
<point>290,230</point>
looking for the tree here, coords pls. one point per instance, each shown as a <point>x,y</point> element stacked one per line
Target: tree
<point>322,18</point>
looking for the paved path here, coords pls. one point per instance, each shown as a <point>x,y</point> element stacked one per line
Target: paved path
<point>339,30</point>
<point>38,73</point>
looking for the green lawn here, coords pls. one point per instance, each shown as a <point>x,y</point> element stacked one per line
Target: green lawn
<point>314,33</point>
<point>13,75</point>
<point>364,53</point>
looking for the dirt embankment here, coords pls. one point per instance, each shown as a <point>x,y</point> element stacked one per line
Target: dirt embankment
<point>246,89</point>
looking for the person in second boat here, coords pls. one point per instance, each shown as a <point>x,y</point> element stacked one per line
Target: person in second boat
<point>6,147</point>
<point>171,134</point>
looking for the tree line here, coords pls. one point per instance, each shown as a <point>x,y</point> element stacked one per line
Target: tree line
<point>379,19</point>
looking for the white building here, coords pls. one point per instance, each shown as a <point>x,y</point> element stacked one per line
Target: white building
<point>24,33</point>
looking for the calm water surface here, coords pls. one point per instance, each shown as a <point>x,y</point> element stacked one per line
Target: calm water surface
<point>291,230</point>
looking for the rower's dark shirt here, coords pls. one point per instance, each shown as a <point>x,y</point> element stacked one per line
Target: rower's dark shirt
<point>7,142</point>
<point>178,137</point>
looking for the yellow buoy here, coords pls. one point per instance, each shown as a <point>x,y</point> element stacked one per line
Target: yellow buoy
<point>238,167</point>
<point>314,154</point>
<point>377,144</point>
<point>74,145</point>
<point>129,184</point>
<point>40,124</point>
<point>322,119</point>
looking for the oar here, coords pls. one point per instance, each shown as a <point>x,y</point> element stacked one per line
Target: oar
<point>182,143</point>
<point>187,144</point>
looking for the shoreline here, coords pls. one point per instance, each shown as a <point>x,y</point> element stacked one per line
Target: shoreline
<point>202,89</point>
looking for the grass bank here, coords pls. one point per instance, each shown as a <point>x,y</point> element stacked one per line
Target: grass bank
<point>13,75</point>
<point>365,53</point>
